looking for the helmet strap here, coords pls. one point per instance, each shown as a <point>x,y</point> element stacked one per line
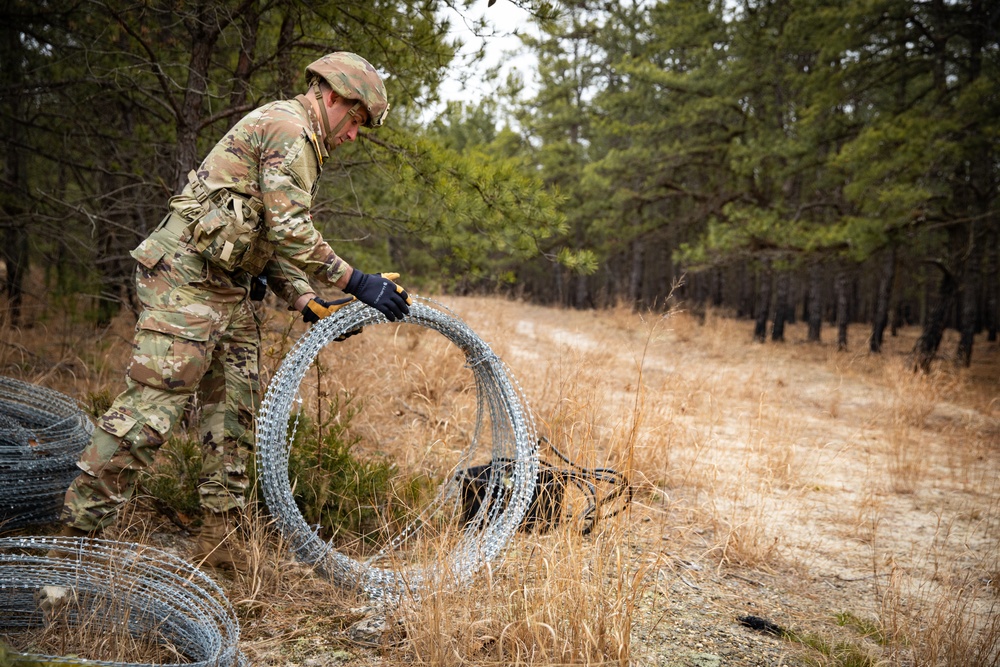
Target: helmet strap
<point>330,134</point>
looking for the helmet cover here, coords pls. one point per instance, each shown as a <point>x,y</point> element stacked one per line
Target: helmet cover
<point>353,78</point>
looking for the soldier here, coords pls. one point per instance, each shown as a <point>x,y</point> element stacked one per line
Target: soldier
<point>243,213</point>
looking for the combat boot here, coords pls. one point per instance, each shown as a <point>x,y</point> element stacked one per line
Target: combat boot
<point>215,544</point>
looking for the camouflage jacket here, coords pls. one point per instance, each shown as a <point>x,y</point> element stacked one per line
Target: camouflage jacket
<point>275,155</point>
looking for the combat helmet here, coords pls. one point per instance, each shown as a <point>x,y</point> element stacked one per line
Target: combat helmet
<point>353,78</point>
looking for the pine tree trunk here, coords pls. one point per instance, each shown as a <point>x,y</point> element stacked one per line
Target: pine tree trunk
<point>746,303</point>
<point>930,339</point>
<point>881,317</point>
<point>970,299</point>
<point>780,308</point>
<point>793,281</point>
<point>842,306</point>
<point>763,304</point>
<point>992,285</point>
<point>287,71</point>
<point>558,274</point>
<point>250,25</point>
<point>15,256</point>
<point>15,237</point>
<point>582,292</point>
<point>815,315</point>
<point>204,34</point>
<point>636,266</point>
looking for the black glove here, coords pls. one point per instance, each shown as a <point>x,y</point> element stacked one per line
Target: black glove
<point>379,292</point>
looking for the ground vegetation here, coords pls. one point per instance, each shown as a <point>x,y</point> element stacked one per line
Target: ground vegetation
<point>847,501</point>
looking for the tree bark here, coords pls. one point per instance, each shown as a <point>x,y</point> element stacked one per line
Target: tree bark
<point>884,298</point>
<point>204,31</point>
<point>581,298</point>
<point>992,285</point>
<point>930,338</point>
<point>718,287</point>
<point>15,233</point>
<point>970,299</point>
<point>815,315</point>
<point>560,296</point>
<point>286,36</point>
<point>763,304</point>
<point>780,308</point>
<point>636,265</point>
<point>745,308</point>
<point>250,23</point>
<point>842,309</point>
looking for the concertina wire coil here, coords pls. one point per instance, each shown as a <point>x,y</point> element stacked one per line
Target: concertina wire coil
<point>42,433</point>
<point>150,593</point>
<point>511,434</point>
<point>118,587</point>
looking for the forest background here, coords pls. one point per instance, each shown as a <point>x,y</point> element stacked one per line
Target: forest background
<point>830,160</point>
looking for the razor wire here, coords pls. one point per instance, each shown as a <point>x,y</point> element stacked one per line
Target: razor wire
<point>117,587</point>
<point>42,433</point>
<point>511,439</point>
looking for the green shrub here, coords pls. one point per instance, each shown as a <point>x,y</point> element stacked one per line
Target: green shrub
<point>98,402</point>
<point>354,499</point>
<point>173,479</point>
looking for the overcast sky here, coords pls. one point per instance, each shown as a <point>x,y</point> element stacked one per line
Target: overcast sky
<point>503,19</point>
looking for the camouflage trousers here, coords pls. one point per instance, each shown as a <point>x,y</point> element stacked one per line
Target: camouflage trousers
<point>197,335</point>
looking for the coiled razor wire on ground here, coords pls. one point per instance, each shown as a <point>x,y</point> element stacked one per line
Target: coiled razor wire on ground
<point>42,433</point>
<point>511,435</point>
<point>118,587</point>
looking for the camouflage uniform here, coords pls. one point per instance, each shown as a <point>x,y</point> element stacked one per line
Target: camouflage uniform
<point>198,328</point>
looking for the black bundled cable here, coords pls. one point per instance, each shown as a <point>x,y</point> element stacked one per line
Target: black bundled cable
<point>601,486</point>
<point>42,433</point>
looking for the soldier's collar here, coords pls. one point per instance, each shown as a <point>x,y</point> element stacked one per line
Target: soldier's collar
<point>315,131</point>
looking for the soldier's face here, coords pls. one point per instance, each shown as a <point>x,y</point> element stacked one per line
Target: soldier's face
<point>338,109</point>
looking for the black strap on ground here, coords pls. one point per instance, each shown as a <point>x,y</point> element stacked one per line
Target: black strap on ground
<point>607,491</point>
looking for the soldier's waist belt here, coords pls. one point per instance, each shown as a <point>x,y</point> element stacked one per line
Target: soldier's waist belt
<point>177,226</point>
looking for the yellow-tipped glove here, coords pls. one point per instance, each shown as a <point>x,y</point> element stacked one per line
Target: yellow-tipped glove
<point>318,308</point>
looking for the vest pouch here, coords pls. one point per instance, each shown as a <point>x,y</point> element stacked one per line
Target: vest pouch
<point>257,256</point>
<point>225,233</point>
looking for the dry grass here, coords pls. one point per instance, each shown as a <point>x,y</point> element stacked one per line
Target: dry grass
<point>554,600</point>
<point>807,481</point>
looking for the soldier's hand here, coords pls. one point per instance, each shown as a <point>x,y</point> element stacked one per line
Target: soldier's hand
<point>381,293</point>
<point>317,308</point>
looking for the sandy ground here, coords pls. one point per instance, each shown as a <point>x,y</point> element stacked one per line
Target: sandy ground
<point>785,481</point>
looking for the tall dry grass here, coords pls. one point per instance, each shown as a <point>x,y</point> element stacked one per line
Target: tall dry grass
<point>849,482</point>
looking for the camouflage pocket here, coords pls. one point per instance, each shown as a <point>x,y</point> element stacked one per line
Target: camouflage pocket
<point>225,233</point>
<point>171,351</point>
<point>149,252</point>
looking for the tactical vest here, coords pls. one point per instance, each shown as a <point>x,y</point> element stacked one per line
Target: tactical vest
<point>228,229</point>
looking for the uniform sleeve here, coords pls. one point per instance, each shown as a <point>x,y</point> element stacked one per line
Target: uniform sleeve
<point>287,280</point>
<point>287,178</point>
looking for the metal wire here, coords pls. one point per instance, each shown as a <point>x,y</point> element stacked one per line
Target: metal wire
<point>511,437</point>
<point>119,586</point>
<point>42,433</point>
